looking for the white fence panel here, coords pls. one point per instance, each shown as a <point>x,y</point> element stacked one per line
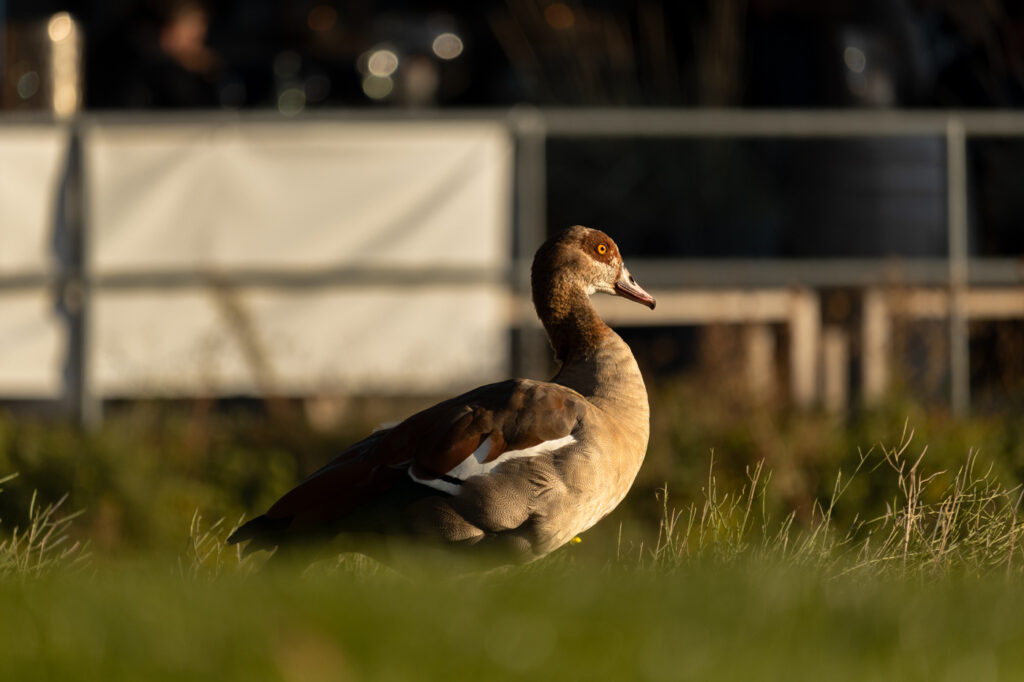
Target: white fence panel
<point>287,200</point>
<point>32,343</point>
<point>310,195</point>
<point>31,336</point>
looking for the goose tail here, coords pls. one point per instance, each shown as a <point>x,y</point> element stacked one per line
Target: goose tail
<point>262,532</point>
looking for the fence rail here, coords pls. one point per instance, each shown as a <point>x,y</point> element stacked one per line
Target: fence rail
<point>956,274</point>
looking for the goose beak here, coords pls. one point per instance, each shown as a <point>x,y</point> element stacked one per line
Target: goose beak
<point>627,287</point>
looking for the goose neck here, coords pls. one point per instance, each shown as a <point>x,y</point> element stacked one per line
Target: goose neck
<point>573,326</point>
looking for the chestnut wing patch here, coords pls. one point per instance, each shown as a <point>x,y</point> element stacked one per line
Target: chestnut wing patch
<point>501,422</point>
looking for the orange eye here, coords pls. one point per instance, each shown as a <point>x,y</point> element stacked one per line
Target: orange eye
<point>602,249</point>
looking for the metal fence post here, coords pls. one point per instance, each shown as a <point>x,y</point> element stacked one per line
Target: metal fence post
<point>531,231</point>
<point>956,190</point>
<point>73,287</point>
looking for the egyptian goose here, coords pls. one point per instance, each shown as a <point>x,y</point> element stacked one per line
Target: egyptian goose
<point>521,466</point>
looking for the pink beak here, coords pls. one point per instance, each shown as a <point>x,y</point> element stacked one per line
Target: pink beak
<point>627,287</point>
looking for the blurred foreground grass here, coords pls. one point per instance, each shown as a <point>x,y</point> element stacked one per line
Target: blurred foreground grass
<point>744,620</point>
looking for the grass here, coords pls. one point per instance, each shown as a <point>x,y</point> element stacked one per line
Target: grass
<point>921,582</point>
<point>44,544</point>
<point>741,621</point>
<point>936,523</point>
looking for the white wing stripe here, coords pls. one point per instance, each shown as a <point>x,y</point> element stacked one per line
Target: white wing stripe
<point>439,483</point>
<point>474,465</point>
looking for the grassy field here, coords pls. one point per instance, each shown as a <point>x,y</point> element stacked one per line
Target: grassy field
<point>741,621</point>
<point>902,560</point>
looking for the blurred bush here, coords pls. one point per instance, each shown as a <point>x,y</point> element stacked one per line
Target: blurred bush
<point>141,477</point>
<point>697,420</point>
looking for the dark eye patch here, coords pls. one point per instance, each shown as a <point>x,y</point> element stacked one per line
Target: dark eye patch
<point>599,246</point>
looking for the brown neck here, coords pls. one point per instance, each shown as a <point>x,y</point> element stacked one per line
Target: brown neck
<point>573,326</point>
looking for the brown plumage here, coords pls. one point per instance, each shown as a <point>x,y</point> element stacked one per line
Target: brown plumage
<point>522,465</point>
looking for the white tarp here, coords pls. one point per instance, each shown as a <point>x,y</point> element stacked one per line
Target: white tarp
<point>31,336</point>
<point>32,344</point>
<point>31,162</point>
<point>294,198</point>
<point>196,342</point>
<point>304,195</point>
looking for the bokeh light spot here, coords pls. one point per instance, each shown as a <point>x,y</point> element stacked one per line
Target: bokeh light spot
<point>60,26</point>
<point>447,46</point>
<point>291,101</point>
<point>378,87</point>
<point>28,84</point>
<point>855,59</point>
<point>382,63</point>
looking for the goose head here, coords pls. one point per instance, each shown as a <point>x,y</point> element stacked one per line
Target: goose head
<point>582,259</point>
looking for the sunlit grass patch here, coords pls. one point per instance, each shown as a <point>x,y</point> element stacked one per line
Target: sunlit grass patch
<point>43,544</point>
<point>935,522</point>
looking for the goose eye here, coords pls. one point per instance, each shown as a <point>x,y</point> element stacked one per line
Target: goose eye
<point>602,249</point>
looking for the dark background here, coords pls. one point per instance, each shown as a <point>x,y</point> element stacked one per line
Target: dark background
<point>757,53</point>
